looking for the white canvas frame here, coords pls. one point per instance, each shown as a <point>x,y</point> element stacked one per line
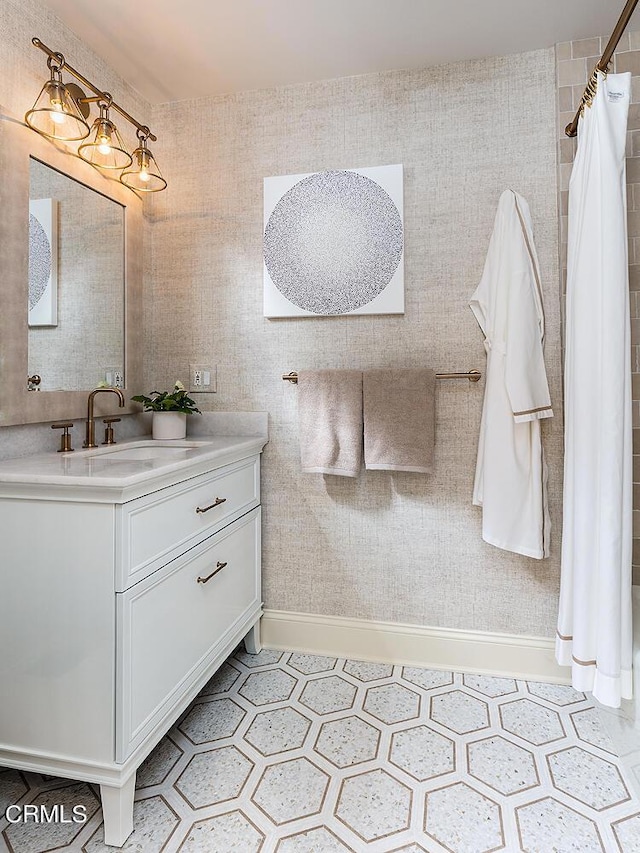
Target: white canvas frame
<point>45,311</point>
<point>390,300</point>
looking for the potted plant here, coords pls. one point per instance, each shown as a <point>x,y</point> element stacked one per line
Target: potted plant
<point>170,410</point>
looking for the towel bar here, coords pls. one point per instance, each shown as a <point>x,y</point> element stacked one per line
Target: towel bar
<point>471,375</point>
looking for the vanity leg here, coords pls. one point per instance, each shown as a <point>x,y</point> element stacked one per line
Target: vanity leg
<point>117,811</point>
<point>252,642</point>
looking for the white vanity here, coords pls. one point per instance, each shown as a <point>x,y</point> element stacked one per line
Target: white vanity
<point>129,573</point>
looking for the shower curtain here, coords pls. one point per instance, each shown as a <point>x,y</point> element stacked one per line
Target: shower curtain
<point>594,622</point>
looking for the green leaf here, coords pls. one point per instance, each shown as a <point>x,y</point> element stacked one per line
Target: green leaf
<point>165,401</point>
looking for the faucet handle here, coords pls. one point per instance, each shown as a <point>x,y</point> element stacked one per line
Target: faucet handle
<point>108,432</point>
<point>65,438</point>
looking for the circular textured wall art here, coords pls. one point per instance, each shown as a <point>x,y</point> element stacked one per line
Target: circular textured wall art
<point>333,242</point>
<point>39,261</point>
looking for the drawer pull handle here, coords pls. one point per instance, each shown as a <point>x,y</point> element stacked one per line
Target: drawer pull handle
<point>211,506</point>
<point>219,567</point>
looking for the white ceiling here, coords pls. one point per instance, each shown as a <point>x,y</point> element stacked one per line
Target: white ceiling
<point>170,50</point>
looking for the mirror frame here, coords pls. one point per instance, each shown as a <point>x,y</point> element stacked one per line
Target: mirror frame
<point>18,143</point>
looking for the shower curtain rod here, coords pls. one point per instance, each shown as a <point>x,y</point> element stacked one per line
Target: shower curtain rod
<point>572,128</point>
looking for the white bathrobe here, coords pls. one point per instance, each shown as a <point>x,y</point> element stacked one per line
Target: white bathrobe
<point>510,482</point>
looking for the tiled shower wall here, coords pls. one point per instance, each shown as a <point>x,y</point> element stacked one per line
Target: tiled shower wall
<point>576,61</point>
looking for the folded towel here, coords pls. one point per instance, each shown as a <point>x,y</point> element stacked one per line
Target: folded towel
<point>399,419</point>
<point>330,421</point>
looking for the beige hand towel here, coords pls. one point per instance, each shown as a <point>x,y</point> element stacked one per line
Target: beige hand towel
<point>330,421</point>
<point>399,419</point>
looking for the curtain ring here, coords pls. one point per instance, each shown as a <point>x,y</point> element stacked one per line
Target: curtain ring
<point>591,89</point>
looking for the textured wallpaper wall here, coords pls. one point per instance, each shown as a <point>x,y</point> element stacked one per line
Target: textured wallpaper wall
<point>400,547</point>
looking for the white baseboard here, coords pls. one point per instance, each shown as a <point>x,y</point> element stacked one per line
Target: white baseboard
<point>530,658</point>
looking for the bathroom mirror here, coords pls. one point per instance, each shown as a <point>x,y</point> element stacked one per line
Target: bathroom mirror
<point>76,283</point>
<point>113,318</point>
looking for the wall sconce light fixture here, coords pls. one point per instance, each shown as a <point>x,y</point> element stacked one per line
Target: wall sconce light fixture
<point>56,112</point>
<point>61,112</point>
<point>105,148</point>
<point>144,174</point>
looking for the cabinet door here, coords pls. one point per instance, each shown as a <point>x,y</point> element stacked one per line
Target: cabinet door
<point>176,624</point>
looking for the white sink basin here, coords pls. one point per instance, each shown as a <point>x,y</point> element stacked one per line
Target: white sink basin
<point>148,450</point>
<point>140,453</point>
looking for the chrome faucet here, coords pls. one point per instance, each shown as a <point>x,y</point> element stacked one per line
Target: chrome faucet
<point>90,440</point>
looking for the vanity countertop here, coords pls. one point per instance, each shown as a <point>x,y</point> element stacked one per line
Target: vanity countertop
<point>121,472</point>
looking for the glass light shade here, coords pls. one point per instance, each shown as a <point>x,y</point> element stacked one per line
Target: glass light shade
<point>144,175</point>
<point>55,113</point>
<point>105,148</point>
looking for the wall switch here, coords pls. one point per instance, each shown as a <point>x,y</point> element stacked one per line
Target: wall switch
<point>202,379</point>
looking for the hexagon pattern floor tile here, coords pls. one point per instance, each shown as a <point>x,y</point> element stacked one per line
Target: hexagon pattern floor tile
<point>374,805</point>
<point>481,830</point>
<point>214,777</point>
<point>348,741</point>
<point>426,678</point>
<point>299,753</point>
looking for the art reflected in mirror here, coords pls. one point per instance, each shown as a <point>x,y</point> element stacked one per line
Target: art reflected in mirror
<point>43,262</point>
<point>76,283</point>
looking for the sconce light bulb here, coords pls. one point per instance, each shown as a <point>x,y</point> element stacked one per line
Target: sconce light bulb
<point>103,138</point>
<point>144,175</point>
<point>57,114</point>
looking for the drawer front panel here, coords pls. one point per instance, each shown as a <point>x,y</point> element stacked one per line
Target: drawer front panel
<point>160,526</point>
<point>170,624</point>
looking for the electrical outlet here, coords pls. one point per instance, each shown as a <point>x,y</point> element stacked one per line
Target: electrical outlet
<point>114,377</point>
<point>202,379</point>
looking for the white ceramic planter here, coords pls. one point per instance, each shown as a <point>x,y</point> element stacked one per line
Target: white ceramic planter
<point>169,425</point>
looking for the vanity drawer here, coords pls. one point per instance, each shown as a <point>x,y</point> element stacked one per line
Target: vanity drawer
<point>171,625</point>
<point>159,527</point>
